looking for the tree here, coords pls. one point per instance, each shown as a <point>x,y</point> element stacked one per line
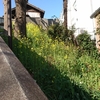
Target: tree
<point>65,3</point>
<point>20,21</point>
<point>85,42</point>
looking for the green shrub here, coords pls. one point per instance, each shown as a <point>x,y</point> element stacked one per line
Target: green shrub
<point>60,33</point>
<point>57,31</point>
<point>1,29</point>
<point>85,42</point>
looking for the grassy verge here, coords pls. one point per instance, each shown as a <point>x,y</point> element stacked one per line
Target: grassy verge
<point>58,69</point>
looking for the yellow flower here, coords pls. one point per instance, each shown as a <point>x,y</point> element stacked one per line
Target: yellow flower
<point>39,54</point>
<point>32,49</point>
<point>67,47</point>
<point>50,40</point>
<point>42,47</point>
<point>62,43</point>
<point>82,69</point>
<point>53,46</point>
<point>65,57</point>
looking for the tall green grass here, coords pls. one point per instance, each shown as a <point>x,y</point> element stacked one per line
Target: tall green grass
<point>60,71</point>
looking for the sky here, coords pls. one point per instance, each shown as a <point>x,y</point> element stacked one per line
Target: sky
<point>54,7</point>
<point>51,7</point>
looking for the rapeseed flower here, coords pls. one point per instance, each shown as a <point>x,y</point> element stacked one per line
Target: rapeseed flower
<point>65,57</point>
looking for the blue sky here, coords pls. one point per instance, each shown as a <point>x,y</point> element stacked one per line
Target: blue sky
<point>51,7</point>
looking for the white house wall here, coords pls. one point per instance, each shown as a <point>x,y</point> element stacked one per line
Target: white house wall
<point>79,12</point>
<point>96,4</point>
<point>82,16</point>
<point>72,13</point>
<point>33,14</point>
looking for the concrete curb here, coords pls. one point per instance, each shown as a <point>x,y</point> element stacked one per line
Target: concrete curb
<point>15,81</point>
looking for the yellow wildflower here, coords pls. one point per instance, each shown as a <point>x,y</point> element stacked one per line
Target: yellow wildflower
<point>65,57</point>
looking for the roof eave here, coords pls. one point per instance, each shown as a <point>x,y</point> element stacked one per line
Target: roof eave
<point>36,7</point>
<point>33,7</point>
<point>95,13</point>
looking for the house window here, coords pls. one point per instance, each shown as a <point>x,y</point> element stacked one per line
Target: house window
<point>33,14</point>
<point>1,20</point>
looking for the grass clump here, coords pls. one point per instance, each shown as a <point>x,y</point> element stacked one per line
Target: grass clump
<point>58,69</point>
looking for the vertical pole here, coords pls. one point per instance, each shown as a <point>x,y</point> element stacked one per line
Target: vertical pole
<point>9,25</point>
<point>5,2</point>
<point>65,4</point>
<point>91,4</point>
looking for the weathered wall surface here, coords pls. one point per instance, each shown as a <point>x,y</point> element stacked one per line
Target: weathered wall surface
<point>97,24</point>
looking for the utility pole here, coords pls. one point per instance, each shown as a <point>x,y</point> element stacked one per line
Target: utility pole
<point>91,4</point>
<point>65,4</point>
<point>8,21</point>
<point>5,2</point>
<point>9,24</point>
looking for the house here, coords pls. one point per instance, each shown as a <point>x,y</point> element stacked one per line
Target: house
<point>96,16</point>
<point>31,11</point>
<point>36,15</point>
<point>33,14</point>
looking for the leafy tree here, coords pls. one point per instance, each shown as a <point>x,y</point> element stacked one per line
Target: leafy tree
<point>71,35</point>
<point>85,42</point>
<point>57,31</point>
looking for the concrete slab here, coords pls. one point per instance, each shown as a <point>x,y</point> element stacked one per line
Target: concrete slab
<point>15,81</point>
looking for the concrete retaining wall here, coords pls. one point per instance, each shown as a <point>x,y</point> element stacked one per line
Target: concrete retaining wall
<point>15,82</point>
